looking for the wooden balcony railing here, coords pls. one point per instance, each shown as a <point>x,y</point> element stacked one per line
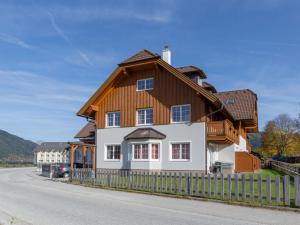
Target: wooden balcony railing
<point>222,132</point>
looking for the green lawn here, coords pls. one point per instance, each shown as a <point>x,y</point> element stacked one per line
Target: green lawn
<point>271,172</point>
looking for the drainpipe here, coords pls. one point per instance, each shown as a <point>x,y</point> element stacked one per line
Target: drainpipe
<point>206,128</point>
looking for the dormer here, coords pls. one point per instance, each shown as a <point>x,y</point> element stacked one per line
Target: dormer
<point>194,73</point>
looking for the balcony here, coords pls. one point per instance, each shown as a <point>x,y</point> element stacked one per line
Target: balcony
<point>222,132</point>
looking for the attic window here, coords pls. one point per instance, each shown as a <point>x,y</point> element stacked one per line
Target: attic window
<point>230,101</point>
<point>145,84</point>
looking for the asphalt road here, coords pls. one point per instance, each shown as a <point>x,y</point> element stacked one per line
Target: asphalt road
<point>26,198</point>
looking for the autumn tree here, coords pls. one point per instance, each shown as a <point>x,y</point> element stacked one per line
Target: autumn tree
<point>279,136</point>
<point>269,141</point>
<point>285,129</point>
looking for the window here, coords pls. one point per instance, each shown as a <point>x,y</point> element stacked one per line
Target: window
<point>145,151</point>
<point>113,119</point>
<point>146,84</point>
<point>113,152</point>
<point>181,113</point>
<point>144,116</point>
<point>155,151</point>
<point>180,151</point>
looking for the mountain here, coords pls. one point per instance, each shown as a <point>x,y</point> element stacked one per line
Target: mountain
<point>14,148</point>
<point>255,139</point>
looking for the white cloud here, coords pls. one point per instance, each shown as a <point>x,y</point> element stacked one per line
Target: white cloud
<point>14,40</point>
<point>61,33</point>
<point>29,89</point>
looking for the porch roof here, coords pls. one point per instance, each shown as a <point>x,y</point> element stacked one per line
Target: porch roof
<point>145,133</point>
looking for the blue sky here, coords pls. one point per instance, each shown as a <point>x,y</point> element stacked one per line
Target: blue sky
<point>54,54</point>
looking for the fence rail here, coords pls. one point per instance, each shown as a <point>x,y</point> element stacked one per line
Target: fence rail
<point>288,168</point>
<point>247,188</point>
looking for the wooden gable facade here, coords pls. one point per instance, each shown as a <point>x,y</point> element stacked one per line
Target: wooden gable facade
<point>168,91</point>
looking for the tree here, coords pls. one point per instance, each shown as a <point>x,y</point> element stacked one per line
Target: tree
<point>297,123</point>
<point>279,137</point>
<point>285,131</point>
<point>269,140</point>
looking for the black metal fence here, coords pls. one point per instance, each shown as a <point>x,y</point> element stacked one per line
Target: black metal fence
<point>275,190</point>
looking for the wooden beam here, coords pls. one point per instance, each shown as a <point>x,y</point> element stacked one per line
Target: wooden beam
<point>94,157</point>
<point>72,156</point>
<point>84,151</point>
<point>94,108</point>
<point>125,71</point>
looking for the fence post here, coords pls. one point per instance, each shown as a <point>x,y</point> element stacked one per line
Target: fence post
<point>259,187</point>
<point>251,188</point>
<point>296,186</point>
<point>128,179</point>
<point>156,181</point>
<point>243,187</point>
<point>277,189</point>
<point>160,181</point>
<point>175,183</point>
<point>229,186</point>
<point>215,185</point>
<point>170,182</point>
<point>109,179</point>
<point>236,186</point>
<point>222,186</point>
<point>190,184</point>
<point>149,178</point>
<point>186,183</point>
<point>209,185</point>
<point>197,184</point>
<point>153,180</point>
<point>165,181</point>
<point>268,188</point>
<point>143,183</point>
<point>180,183</point>
<point>136,180</point>
<point>202,184</point>
<point>287,190</point>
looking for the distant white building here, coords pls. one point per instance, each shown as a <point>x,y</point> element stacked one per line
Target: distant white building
<point>51,152</point>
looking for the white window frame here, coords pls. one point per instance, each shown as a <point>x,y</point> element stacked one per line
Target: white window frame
<point>149,143</point>
<point>137,117</point>
<point>105,152</point>
<point>114,119</point>
<point>179,160</point>
<point>171,116</point>
<point>144,80</point>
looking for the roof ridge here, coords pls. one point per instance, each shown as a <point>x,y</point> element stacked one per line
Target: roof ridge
<point>151,53</point>
<point>238,90</point>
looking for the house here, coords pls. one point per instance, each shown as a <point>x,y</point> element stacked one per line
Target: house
<point>51,152</point>
<point>151,115</point>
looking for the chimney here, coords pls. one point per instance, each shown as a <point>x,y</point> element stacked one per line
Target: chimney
<point>166,55</point>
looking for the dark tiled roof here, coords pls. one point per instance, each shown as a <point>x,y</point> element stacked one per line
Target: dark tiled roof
<point>241,104</point>
<point>140,56</point>
<point>209,87</point>
<point>52,146</point>
<point>192,69</point>
<point>145,133</point>
<point>87,131</point>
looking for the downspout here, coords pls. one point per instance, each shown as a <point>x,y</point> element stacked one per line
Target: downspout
<point>206,128</point>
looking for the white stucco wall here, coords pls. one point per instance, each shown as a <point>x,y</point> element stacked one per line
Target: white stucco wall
<point>242,145</point>
<point>221,153</point>
<point>52,157</point>
<point>193,133</point>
